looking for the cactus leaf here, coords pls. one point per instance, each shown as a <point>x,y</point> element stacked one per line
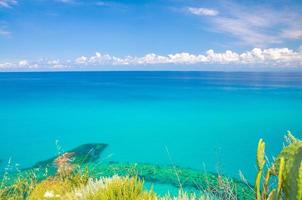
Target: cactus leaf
<point>265,183</point>
<point>287,167</point>
<point>257,185</point>
<point>280,176</point>
<point>292,157</point>
<point>260,163</point>
<point>299,183</point>
<point>272,195</point>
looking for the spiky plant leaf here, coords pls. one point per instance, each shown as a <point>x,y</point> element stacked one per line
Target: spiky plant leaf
<point>260,163</point>
<point>292,155</point>
<point>260,154</point>
<point>299,183</point>
<point>265,183</point>
<point>272,195</point>
<point>280,176</point>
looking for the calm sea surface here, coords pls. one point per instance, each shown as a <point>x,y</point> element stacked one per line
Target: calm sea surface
<point>192,119</point>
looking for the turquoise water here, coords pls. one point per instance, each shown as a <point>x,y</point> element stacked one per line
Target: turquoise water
<point>209,120</point>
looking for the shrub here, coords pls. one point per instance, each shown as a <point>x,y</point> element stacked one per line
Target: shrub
<point>287,168</point>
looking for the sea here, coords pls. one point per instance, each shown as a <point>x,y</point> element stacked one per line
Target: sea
<point>201,120</point>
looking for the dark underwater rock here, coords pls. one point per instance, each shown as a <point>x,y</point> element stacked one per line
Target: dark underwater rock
<point>179,177</point>
<point>83,154</point>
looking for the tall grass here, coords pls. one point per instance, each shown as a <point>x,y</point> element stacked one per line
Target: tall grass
<point>77,184</point>
<point>70,181</point>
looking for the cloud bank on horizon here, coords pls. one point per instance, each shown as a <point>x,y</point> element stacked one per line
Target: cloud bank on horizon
<point>60,34</point>
<point>273,57</point>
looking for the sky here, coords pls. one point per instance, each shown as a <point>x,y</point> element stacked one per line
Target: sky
<point>54,35</point>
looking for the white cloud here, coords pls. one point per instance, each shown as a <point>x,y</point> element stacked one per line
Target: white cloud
<point>295,33</point>
<point>55,64</point>
<point>81,60</point>
<point>8,3</point>
<point>6,65</point>
<point>271,57</point>
<point>23,63</point>
<point>247,32</point>
<point>255,25</point>
<point>203,11</point>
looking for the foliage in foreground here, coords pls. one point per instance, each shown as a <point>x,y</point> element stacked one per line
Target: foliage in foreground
<point>73,183</point>
<point>287,168</point>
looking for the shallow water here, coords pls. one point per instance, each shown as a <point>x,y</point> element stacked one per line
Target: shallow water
<point>192,119</point>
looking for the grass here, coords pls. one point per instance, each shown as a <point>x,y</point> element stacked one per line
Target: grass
<point>72,182</point>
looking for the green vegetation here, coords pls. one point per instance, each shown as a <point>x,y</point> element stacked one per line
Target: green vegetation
<point>287,168</point>
<point>121,181</point>
<point>113,188</point>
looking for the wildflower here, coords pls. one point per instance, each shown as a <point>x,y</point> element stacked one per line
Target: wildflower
<point>78,194</point>
<point>48,194</point>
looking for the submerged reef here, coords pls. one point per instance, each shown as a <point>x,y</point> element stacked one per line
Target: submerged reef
<point>79,178</point>
<point>62,174</point>
<point>180,177</point>
<point>176,176</point>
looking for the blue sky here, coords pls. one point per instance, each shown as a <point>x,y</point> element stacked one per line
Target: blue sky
<point>158,34</point>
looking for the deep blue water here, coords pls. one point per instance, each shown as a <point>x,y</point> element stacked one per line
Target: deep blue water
<point>202,118</point>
